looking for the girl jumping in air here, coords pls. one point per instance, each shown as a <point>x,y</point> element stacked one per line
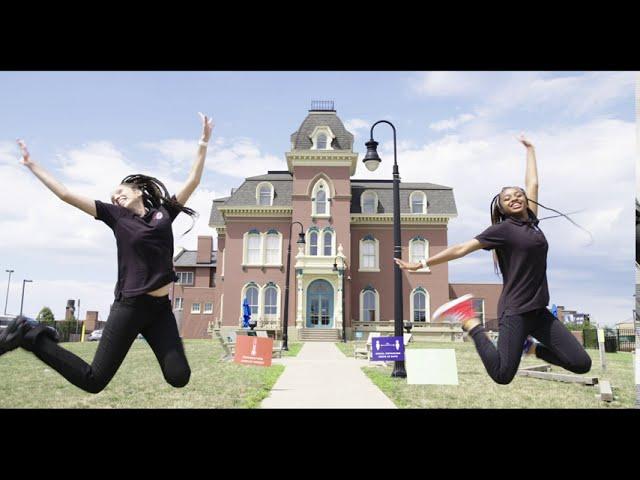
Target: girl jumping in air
<point>140,214</point>
<point>520,253</point>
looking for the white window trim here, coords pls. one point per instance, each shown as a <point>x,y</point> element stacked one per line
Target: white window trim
<point>376,260</point>
<point>260,185</point>
<point>333,242</point>
<point>375,207</point>
<point>180,303</point>
<point>317,132</point>
<point>377,299</point>
<point>205,310</point>
<point>193,311</point>
<point>424,204</point>
<point>264,257</point>
<point>243,294</point>
<point>189,275</point>
<point>308,242</point>
<point>270,316</point>
<point>314,193</point>
<point>427,306</point>
<point>245,250</point>
<point>224,251</point>
<point>426,253</point>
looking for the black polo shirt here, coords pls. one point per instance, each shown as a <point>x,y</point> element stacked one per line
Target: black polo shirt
<point>523,262</point>
<point>145,247</point>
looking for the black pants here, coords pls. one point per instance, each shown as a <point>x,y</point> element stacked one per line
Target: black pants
<point>557,345</point>
<point>151,316</point>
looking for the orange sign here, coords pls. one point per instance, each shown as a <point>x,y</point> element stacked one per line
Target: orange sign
<point>253,350</point>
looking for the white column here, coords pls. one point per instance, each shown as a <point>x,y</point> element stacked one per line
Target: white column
<point>299,302</point>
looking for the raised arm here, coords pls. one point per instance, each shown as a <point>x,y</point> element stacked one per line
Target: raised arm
<point>531,175</point>
<point>451,253</point>
<point>85,204</point>
<point>196,171</point>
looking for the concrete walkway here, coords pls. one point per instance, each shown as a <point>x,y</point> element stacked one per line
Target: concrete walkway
<point>322,377</point>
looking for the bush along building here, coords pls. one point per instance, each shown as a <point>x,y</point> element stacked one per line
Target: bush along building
<point>346,222</point>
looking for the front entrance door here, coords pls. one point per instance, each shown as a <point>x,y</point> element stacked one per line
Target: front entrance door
<point>320,304</point>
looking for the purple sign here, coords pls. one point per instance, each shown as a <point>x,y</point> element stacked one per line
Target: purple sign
<point>387,348</point>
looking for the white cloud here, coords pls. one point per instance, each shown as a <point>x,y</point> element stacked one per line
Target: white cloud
<point>495,93</point>
<point>451,123</point>
<point>355,125</point>
<point>239,157</point>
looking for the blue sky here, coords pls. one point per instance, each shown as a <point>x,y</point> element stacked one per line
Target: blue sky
<point>90,129</point>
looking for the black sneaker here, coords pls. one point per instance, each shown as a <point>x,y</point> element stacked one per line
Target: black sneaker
<point>11,337</point>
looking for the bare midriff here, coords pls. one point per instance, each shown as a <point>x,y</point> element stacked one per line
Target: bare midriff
<point>160,292</point>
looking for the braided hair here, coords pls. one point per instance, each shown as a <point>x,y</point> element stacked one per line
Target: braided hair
<point>498,215</point>
<point>155,195</point>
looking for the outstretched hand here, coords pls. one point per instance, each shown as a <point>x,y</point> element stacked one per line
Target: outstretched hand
<point>26,157</point>
<point>406,265</point>
<point>207,127</point>
<point>525,141</point>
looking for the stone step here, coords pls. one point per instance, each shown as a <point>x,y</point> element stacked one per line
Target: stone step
<point>312,335</point>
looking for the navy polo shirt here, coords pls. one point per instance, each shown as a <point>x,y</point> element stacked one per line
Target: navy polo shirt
<point>145,246</point>
<point>523,262</point>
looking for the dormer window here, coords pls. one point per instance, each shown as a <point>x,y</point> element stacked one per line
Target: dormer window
<point>369,202</point>
<point>264,194</point>
<point>322,138</point>
<point>418,202</point>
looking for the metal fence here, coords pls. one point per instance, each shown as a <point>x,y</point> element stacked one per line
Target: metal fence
<point>619,340</point>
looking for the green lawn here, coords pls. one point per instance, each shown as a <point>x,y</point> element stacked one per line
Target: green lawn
<point>477,390</point>
<point>294,349</point>
<point>26,382</point>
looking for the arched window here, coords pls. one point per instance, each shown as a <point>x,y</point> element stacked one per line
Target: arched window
<point>369,202</point>
<point>327,243</point>
<point>313,242</point>
<point>251,293</point>
<point>419,249</point>
<point>273,251</point>
<point>264,194</point>
<point>369,254</point>
<point>322,142</point>
<point>420,310</point>
<point>320,199</point>
<point>271,300</point>
<point>418,201</point>
<point>369,305</point>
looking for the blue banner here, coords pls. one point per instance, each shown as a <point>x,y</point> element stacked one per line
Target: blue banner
<point>387,349</point>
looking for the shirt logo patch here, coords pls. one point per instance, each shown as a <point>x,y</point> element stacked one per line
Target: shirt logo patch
<point>158,215</point>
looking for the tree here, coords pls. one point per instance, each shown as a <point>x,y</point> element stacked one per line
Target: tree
<point>46,317</point>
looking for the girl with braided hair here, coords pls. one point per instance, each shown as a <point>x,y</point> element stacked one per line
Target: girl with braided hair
<point>520,255</point>
<point>140,214</point>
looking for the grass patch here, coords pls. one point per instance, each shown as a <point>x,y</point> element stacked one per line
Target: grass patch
<point>26,382</point>
<point>477,390</point>
<point>294,349</point>
<point>346,348</point>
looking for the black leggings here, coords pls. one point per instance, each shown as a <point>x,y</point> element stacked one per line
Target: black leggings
<point>557,345</point>
<point>151,316</point>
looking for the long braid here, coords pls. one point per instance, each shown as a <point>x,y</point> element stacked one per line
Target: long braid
<point>155,194</point>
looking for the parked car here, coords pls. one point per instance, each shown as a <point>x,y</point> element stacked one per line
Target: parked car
<point>95,335</point>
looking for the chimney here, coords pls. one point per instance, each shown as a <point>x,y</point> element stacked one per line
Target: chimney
<point>205,246</point>
<point>91,322</point>
<point>70,310</point>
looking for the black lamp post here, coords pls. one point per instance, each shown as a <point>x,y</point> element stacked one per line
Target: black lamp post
<point>371,161</point>
<point>344,317</point>
<point>22,300</point>
<point>285,323</point>
<point>8,283</point>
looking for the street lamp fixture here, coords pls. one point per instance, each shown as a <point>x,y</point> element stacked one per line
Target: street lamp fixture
<point>8,283</point>
<point>22,300</point>
<point>285,323</point>
<point>372,161</point>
